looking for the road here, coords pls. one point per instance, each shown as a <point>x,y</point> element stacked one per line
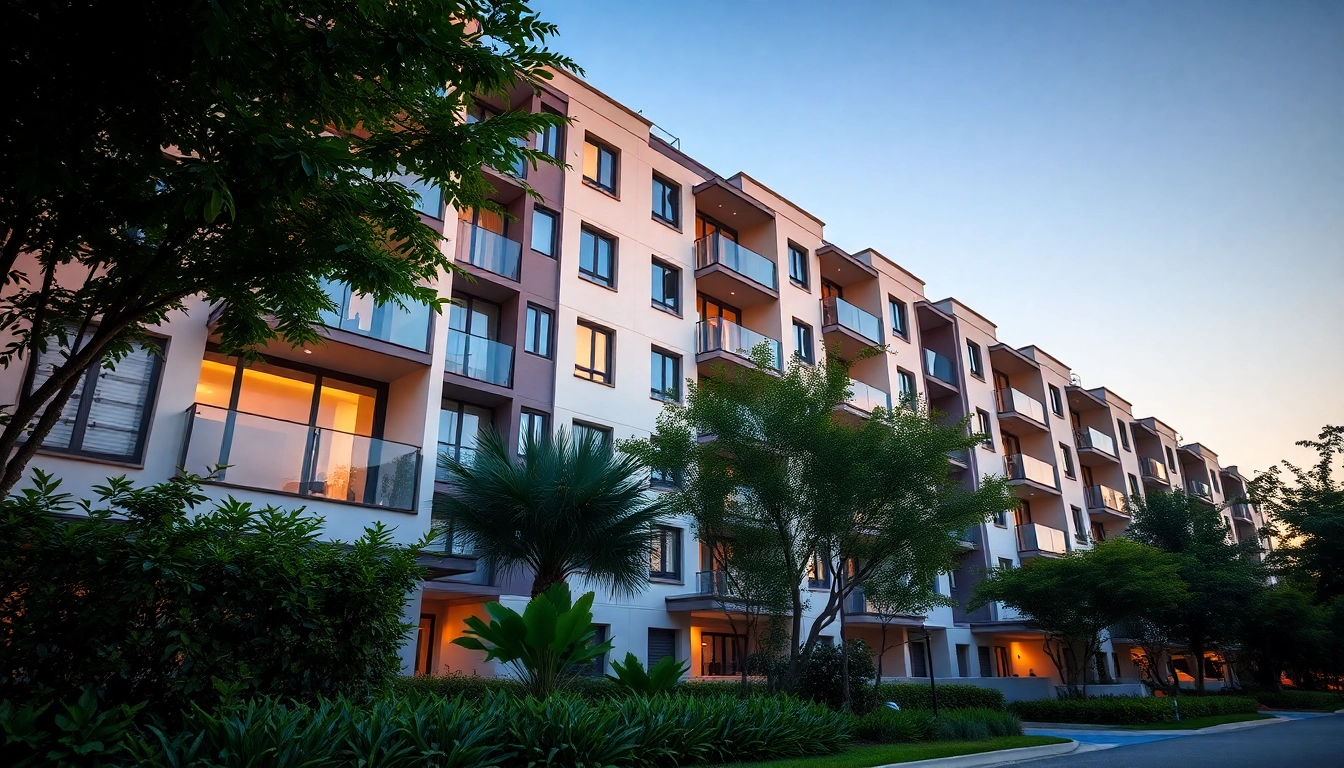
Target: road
<point>1307,743</point>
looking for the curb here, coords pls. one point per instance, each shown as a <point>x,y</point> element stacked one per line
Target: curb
<point>997,757</point>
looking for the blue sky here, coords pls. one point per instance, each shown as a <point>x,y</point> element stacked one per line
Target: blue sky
<point>1152,192</point>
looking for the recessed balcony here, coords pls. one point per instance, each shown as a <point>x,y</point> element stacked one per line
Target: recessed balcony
<point>864,398</point>
<point>266,454</point>
<point>489,251</point>
<point>359,314</point>
<point>853,329</point>
<point>479,358</point>
<point>1105,501</point>
<point>1020,409</point>
<point>733,273</point>
<point>1030,472</point>
<point>960,460</point>
<point>1199,489</point>
<point>718,339</point>
<point>1095,447</point>
<point>845,269</point>
<point>1154,472</point>
<point>940,371</point>
<point>1241,511</point>
<point>1036,540</point>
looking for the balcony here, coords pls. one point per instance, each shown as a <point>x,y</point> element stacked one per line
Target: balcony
<point>287,457</point>
<point>960,459</point>
<point>1154,471</point>
<point>479,358</point>
<point>733,273</point>
<point>1034,539</point>
<point>1199,489</point>
<point>1020,409</point>
<point>845,269</point>
<point>488,251</point>
<point>864,397</point>
<point>1241,511</point>
<point>720,339</point>
<point>1102,500</point>
<point>1030,471</point>
<point>940,370</point>
<point>359,314</point>
<point>1095,447</point>
<point>852,328</point>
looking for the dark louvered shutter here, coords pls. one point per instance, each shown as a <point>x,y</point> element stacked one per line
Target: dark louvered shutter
<point>986,669</point>
<point>662,644</point>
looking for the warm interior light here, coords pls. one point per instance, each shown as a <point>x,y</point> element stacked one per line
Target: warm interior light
<point>307,351</point>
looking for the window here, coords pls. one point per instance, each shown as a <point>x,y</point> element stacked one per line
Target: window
<point>721,654</point>
<point>548,140</point>
<point>797,266</point>
<point>461,426</point>
<point>537,338</point>
<point>597,258</point>
<point>1123,433</point>
<point>905,385</point>
<point>896,308</point>
<point>1171,460</point>
<point>802,341</point>
<point>424,645</point>
<point>662,644</point>
<point>986,666</point>
<point>584,432</point>
<point>951,582</point>
<point>543,231</point>
<point>665,375</point>
<point>1001,518</point>
<point>818,572</point>
<point>665,554</point>
<point>592,354</point>
<point>986,428</point>
<point>599,165</point>
<point>1056,401</point>
<point>1134,489</point>
<point>666,201</point>
<point>1213,481</point>
<point>973,357</point>
<point>963,660</point>
<point>1066,456</point>
<point>599,666</point>
<point>1005,564</point>
<point>1079,525</point>
<point>531,428</point>
<point>919,666</point>
<point>666,286</point>
<point>108,414</point>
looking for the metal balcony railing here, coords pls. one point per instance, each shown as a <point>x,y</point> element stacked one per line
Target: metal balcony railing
<point>1199,488</point>
<point>720,335</point>
<point>713,583</point>
<point>717,249</point>
<point>837,311</point>
<point>1241,511</point>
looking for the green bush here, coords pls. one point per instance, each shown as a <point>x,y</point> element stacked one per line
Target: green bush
<point>822,682</point>
<point>708,689</point>
<point>144,601</point>
<point>975,725</point>
<point>472,688</point>
<point>660,678</point>
<point>1130,710</point>
<point>955,696</point>
<point>888,726</point>
<point>1289,699</point>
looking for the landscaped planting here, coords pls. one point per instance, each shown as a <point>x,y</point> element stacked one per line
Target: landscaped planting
<point>917,696</point>
<point>888,726</point>
<point>1130,710</point>
<point>1301,699</point>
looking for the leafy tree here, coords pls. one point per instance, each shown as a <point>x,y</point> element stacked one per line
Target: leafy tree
<point>242,151</point>
<point>566,506</point>
<point>1307,514</point>
<point>144,597</point>
<point>1286,632</point>
<point>660,678</point>
<point>782,467</point>
<point>547,646</point>
<point>1075,598</point>
<point>1221,577</point>
<point>892,594</point>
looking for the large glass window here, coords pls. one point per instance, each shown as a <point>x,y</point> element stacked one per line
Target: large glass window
<point>544,229</point>
<point>665,554</point>
<point>108,414</point>
<point>461,426</point>
<point>896,308</point>
<point>474,316</point>
<point>665,380</point>
<point>906,385</point>
<point>666,288</point>
<point>977,363</point>
<point>706,308</point>
<point>802,341</point>
<point>721,655</point>
<point>532,426</point>
<point>666,201</point>
<point>599,165</point>
<point>592,354</point>
<point>597,258</point>
<point>582,432</point>
<point>537,337</point>
<point>1056,400</point>
<point>549,141</point>
<point>797,265</point>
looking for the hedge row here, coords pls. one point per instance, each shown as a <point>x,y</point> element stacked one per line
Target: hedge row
<point>428,730</point>
<point>917,696</point>
<point>1300,699</point>
<point>888,726</point>
<point>1130,710</point>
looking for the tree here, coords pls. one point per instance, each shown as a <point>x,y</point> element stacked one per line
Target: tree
<point>564,507</point>
<point>1075,598</point>
<point>784,467</point>
<point>1307,515</point>
<point>1285,631</point>
<point>891,594</point>
<point>243,151</point>
<point>1221,577</point>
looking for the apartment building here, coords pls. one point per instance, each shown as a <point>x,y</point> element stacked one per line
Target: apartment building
<point>634,269</point>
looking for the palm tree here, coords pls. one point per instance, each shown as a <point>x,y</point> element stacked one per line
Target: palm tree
<point>566,506</point>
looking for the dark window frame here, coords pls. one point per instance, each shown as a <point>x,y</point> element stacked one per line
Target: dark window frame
<point>530,329</point>
<point>1123,434</point>
<point>1070,471</point>
<point>607,374</point>
<point>809,347</point>
<point>804,281</point>
<point>673,535</point>
<point>524,416</point>
<point>903,376</point>
<point>1056,400</point>
<point>675,359</point>
<point>975,361</point>
<point>551,140</point>
<point>608,435</point>
<point>673,192</point>
<point>608,281</point>
<point>899,317</point>
<point>669,271</point>
<point>541,210</point>
<point>986,428</point>
<point>614,154</point>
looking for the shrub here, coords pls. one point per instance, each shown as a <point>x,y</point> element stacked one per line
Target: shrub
<point>660,678</point>
<point>975,725</point>
<point>888,726</point>
<point>472,688</point>
<point>822,682</point>
<point>144,602</point>
<point>1130,710</point>
<point>955,696</point>
<point>706,689</point>
<point>1289,699</point>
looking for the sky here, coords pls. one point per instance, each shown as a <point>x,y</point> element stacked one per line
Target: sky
<point>1152,192</point>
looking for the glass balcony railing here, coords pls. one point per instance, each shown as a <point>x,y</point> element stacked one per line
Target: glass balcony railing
<point>1241,511</point>
<point>460,453</point>
<point>1198,488</point>
<point>717,249</point>
<point>1091,438</point>
<point>865,397</point>
<point>1012,401</point>
<point>719,335</point>
<point>1100,497</point>
<point>1153,469</point>
<point>962,457</point>
<point>287,457</point>
<point>479,358</point>
<point>837,311</point>
<point>1020,466</point>
<point>356,313</point>
<point>1034,537</point>
<point>490,251</point>
<point>939,367</point>
<point>712,583</point>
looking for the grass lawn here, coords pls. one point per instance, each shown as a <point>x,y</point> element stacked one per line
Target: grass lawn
<point>1200,722</point>
<point>881,754</point>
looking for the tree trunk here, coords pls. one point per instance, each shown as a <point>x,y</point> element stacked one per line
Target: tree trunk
<point>881,651</point>
<point>544,581</point>
<point>1197,651</point>
<point>847,702</point>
